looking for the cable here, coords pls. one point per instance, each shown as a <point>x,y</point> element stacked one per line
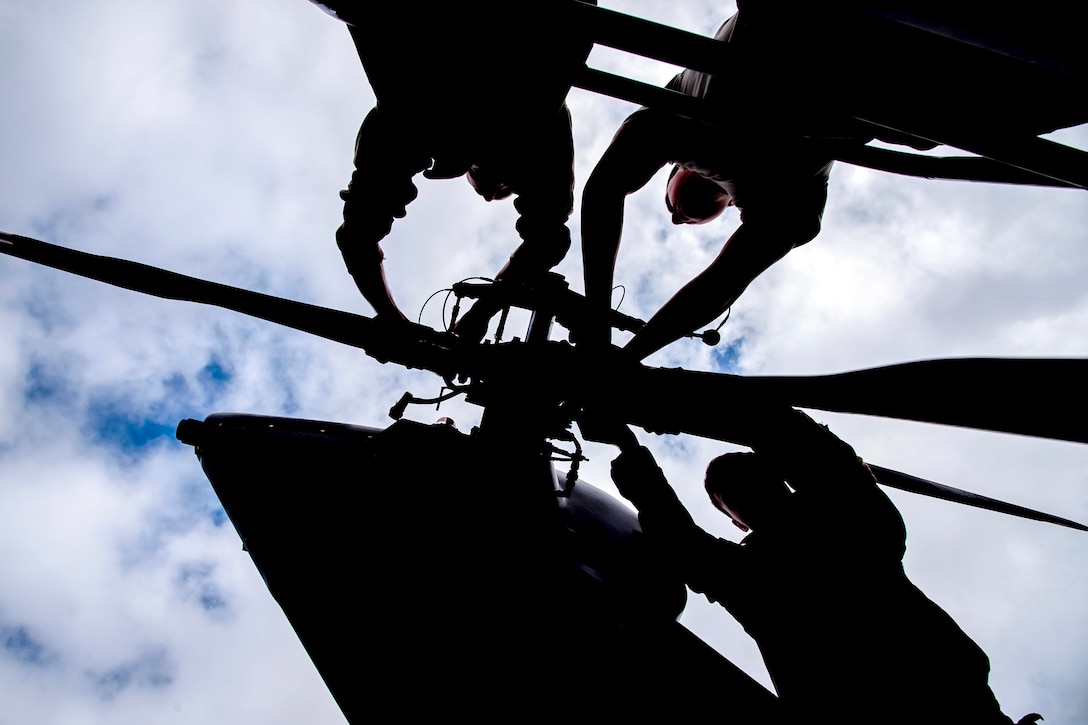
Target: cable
<point>713,337</point>
<point>447,290</point>
<point>456,308</point>
<point>623,295</point>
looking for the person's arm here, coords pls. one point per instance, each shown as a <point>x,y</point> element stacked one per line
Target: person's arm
<point>807,454</point>
<point>380,190</point>
<point>641,481</point>
<point>777,214</point>
<point>364,264</point>
<point>542,177</point>
<point>540,171</point>
<point>745,256</point>
<point>702,560</point>
<point>634,156</point>
<point>827,471</point>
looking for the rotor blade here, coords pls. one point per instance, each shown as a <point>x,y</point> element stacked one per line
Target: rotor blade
<point>1035,397</point>
<point>964,168</point>
<point>1003,395</point>
<point>664,405</point>
<point>1007,395</point>
<point>906,482</point>
<point>422,347</point>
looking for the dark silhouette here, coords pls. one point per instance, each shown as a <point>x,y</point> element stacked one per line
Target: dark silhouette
<point>843,632</point>
<point>467,99</point>
<point>779,187</point>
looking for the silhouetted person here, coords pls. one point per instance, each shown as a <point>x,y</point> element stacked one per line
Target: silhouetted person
<point>845,636</point>
<point>779,188</point>
<point>461,90</point>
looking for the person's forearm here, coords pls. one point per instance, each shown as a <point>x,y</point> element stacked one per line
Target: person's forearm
<point>602,227</point>
<point>696,554</point>
<point>698,557</point>
<point>543,229</point>
<point>541,174</point>
<point>641,481</point>
<point>364,264</point>
<point>636,153</point>
<point>379,191</point>
<point>376,291</point>
<point>745,256</point>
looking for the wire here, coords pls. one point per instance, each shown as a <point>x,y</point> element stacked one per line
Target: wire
<point>457,305</point>
<point>447,290</point>
<point>479,279</point>
<point>623,294</point>
<point>447,325</point>
<point>725,319</point>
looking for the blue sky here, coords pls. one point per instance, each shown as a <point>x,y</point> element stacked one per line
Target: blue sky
<point>212,139</point>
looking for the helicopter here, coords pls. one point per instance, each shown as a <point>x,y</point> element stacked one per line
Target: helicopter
<point>595,477</point>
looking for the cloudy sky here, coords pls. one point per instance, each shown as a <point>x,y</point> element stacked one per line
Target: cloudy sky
<point>211,138</point>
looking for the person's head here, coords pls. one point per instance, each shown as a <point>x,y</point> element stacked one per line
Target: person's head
<point>746,489</point>
<point>694,199</point>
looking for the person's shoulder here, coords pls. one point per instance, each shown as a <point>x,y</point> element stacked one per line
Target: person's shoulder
<point>644,117</point>
<point>653,131</point>
<point>646,133</point>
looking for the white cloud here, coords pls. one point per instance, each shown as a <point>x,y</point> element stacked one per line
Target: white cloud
<point>213,140</point>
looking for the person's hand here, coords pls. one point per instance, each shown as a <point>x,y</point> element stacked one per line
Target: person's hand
<point>601,429</point>
<point>394,319</point>
<point>472,326</point>
<point>635,472</point>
